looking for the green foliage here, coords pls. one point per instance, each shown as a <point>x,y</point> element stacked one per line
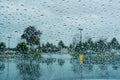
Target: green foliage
<point>79,47</point>
<point>101,45</point>
<point>85,46</point>
<point>32,36</point>
<point>61,44</point>
<point>2,46</point>
<point>118,47</point>
<point>22,47</point>
<point>37,55</point>
<point>90,44</point>
<point>103,57</point>
<point>75,54</point>
<point>49,47</point>
<point>98,57</point>
<point>97,46</point>
<point>114,44</point>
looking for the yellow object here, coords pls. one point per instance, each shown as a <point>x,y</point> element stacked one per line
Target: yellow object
<point>81,59</point>
<point>8,55</point>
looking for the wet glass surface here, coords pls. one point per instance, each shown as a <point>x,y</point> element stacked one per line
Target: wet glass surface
<point>56,67</point>
<point>59,39</point>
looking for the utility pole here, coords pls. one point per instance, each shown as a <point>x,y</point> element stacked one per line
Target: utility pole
<point>80,34</point>
<point>8,57</point>
<point>9,41</point>
<point>81,56</point>
<point>80,42</point>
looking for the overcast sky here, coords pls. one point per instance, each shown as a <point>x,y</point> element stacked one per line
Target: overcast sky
<point>60,19</point>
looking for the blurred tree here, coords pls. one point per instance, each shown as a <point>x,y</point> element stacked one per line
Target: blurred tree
<point>2,47</point>
<point>32,36</point>
<point>79,47</point>
<point>22,47</point>
<point>114,44</point>
<point>90,44</point>
<point>101,45</point>
<point>48,44</point>
<point>61,44</point>
<point>49,47</point>
<point>71,46</point>
<point>85,46</point>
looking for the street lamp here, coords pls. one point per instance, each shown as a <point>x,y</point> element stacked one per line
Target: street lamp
<point>80,39</point>
<point>81,66</point>
<point>8,56</point>
<point>80,34</point>
<point>17,32</point>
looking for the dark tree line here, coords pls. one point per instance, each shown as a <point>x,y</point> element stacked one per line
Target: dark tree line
<point>100,45</point>
<point>49,47</point>
<point>31,43</point>
<point>22,47</point>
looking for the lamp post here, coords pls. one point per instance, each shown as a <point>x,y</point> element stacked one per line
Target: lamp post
<point>80,34</point>
<point>9,41</point>
<point>8,57</point>
<point>81,56</point>
<point>18,35</point>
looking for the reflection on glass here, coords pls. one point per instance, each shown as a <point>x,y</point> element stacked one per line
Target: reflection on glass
<point>104,72</point>
<point>29,71</point>
<point>61,62</point>
<point>2,65</point>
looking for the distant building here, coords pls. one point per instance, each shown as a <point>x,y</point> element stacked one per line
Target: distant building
<point>64,50</point>
<point>10,52</point>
